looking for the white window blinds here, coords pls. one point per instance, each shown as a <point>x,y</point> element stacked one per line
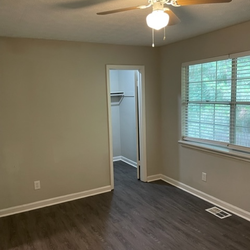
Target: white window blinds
<point>216,101</point>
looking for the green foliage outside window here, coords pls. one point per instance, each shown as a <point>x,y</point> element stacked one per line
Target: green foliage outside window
<point>217,101</point>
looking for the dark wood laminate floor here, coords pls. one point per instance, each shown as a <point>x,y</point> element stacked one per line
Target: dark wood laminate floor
<point>135,215</point>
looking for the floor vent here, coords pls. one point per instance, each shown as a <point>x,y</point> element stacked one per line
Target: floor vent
<point>218,212</point>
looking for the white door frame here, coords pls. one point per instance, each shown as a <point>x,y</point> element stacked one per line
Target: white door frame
<point>142,120</point>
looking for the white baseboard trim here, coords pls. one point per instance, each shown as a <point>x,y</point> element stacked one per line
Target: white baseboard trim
<point>117,158</point>
<point>154,177</point>
<point>126,160</point>
<point>211,199</point>
<point>53,201</point>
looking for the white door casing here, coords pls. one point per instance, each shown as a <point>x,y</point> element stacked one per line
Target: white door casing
<point>141,120</point>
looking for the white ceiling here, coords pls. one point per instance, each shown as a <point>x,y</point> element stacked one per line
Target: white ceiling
<point>76,20</point>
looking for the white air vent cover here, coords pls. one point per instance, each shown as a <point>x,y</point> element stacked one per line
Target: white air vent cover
<point>218,212</point>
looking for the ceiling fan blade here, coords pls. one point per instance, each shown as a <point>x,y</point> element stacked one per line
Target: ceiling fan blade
<point>77,4</point>
<point>173,19</point>
<point>123,9</point>
<point>192,2</point>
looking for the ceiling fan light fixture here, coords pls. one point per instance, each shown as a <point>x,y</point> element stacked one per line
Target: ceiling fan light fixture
<point>157,20</point>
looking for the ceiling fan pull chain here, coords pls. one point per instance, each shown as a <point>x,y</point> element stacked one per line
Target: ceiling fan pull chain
<point>153,38</point>
<point>164,37</point>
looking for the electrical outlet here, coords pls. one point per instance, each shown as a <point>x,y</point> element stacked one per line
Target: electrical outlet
<point>204,176</point>
<point>37,185</point>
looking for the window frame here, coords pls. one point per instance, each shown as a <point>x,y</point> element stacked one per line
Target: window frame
<point>237,151</point>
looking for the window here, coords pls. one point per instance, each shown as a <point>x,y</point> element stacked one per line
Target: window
<point>216,101</point>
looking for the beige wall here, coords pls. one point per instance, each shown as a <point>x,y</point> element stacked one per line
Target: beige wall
<point>53,116</point>
<point>227,178</point>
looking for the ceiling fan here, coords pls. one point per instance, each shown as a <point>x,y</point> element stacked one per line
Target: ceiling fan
<point>162,16</point>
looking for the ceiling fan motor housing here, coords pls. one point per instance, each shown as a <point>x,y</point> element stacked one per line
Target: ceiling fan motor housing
<point>158,5</point>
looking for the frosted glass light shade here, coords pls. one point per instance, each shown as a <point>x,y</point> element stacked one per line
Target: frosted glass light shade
<point>157,20</point>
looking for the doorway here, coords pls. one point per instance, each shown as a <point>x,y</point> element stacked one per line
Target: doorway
<point>126,105</point>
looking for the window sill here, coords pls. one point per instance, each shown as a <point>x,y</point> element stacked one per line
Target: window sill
<point>244,156</point>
